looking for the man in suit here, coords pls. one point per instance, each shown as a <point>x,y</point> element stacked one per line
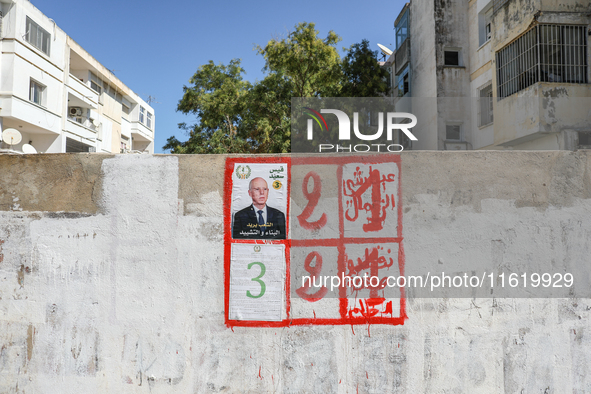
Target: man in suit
<point>258,221</point>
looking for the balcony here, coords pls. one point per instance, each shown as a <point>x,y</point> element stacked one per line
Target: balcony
<point>541,109</point>
<point>141,132</point>
<point>82,127</point>
<point>84,93</point>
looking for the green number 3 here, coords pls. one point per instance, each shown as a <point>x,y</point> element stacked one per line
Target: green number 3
<point>257,279</point>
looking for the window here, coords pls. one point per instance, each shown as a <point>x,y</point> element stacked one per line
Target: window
<point>37,36</point>
<point>77,146</point>
<point>401,29</point>
<point>484,26</point>
<point>125,109</point>
<point>124,144</point>
<point>545,53</point>
<point>142,112</point>
<point>584,140</point>
<point>486,106</point>
<point>96,87</point>
<point>36,93</point>
<point>110,90</point>
<point>404,82</point>
<point>96,83</point>
<point>453,132</point>
<point>149,122</point>
<point>451,57</point>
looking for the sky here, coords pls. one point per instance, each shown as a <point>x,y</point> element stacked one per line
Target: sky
<point>156,47</point>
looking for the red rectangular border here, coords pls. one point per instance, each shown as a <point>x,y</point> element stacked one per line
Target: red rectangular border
<point>339,243</point>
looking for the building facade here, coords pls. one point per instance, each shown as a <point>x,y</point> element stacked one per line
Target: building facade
<point>495,74</point>
<point>58,96</point>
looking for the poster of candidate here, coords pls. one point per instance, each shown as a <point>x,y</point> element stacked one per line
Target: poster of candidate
<point>259,201</point>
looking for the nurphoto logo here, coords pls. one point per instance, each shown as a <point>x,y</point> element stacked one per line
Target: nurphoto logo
<point>350,125</point>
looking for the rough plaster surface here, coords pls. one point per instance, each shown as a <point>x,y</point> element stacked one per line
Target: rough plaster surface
<point>57,182</point>
<point>120,288</point>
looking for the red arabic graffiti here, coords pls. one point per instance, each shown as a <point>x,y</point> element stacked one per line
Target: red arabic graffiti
<point>373,262</point>
<point>355,188</point>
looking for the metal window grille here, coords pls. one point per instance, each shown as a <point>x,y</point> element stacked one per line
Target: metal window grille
<point>545,53</point>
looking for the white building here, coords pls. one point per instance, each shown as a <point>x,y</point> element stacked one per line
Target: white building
<point>495,74</point>
<point>58,96</point>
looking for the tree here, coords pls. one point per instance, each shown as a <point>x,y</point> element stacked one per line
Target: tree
<point>268,115</point>
<point>362,74</point>
<point>218,96</point>
<point>235,116</point>
<point>310,64</point>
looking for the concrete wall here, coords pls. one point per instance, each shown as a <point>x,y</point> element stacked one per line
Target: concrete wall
<point>111,280</point>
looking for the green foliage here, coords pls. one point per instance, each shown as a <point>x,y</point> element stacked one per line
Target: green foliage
<point>235,116</point>
<point>310,64</point>
<point>362,74</point>
<point>218,96</point>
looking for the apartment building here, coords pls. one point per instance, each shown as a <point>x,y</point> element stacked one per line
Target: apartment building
<point>494,74</point>
<point>58,96</point>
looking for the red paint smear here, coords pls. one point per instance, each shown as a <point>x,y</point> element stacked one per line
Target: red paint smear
<point>260,377</point>
<point>368,333</point>
<point>366,375</point>
<point>339,243</point>
<point>339,381</point>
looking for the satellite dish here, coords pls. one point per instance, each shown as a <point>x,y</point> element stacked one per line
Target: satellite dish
<point>29,149</point>
<point>385,50</point>
<point>11,136</point>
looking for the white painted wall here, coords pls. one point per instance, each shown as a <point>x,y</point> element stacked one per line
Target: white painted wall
<point>130,300</point>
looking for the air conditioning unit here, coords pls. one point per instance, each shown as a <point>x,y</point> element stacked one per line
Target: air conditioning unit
<point>75,111</point>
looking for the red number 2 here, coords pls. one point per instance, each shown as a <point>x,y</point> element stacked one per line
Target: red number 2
<point>312,202</point>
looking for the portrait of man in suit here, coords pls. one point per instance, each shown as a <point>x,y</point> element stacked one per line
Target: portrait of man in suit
<point>258,220</point>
